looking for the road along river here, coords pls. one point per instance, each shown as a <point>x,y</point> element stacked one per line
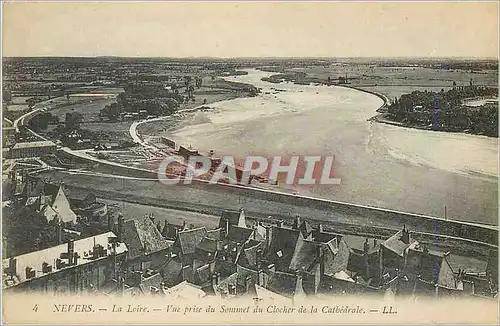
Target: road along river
<point>380,165</point>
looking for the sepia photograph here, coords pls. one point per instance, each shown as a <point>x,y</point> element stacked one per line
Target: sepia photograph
<point>250,162</point>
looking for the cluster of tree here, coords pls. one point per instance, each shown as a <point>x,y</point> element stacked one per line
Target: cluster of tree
<point>446,111</point>
<point>42,121</point>
<point>155,100</point>
<point>26,230</point>
<point>73,120</point>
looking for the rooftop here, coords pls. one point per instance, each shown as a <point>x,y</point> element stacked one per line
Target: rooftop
<point>34,144</point>
<point>189,239</point>
<point>34,260</point>
<point>143,237</point>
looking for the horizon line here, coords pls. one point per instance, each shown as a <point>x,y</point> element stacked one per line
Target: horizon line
<point>254,57</point>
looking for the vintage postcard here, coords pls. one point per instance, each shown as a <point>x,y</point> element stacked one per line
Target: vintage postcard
<point>250,162</point>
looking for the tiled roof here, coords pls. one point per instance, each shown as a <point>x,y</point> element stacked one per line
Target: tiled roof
<point>244,272</point>
<point>436,269</point>
<point>207,244</point>
<point>284,283</point>
<point>305,255</point>
<point>189,239</point>
<point>239,234</point>
<point>224,267</point>
<point>396,243</point>
<point>143,237</point>
<point>188,274</point>
<point>248,256</point>
<point>282,247</point>
<point>203,274</point>
<point>152,281</point>
<point>214,234</point>
<point>336,256</point>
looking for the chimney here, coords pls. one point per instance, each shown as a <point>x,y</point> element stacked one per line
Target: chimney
<point>405,236</point>
<point>260,277</point>
<point>75,258</point>
<point>184,225</point>
<point>366,246</point>
<point>321,228</point>
<point>111,222</point>
<point>71,250</point>
<point>375,243</point>
<point>29,272</point>
<point>218,277</point>
<point>59,232</point>
<point>120,228</point>
<point>296,223</point>
<point>271,268</point>
<point>226,228</point>
<point>279,223</point>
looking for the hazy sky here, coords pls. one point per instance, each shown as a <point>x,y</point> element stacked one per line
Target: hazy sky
<point>236,29</point>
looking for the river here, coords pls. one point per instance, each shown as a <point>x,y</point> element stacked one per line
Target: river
<point>381,165</point>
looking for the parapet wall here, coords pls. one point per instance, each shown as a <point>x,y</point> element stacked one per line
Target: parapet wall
<point>375,216</point>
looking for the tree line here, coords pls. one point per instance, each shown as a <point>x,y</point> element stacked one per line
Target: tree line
<point>446,110</point>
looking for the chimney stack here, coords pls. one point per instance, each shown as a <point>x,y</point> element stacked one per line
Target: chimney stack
<point>279,223</point>
<point>321,228</point>
<point>260,277</point>
<point>366,246</point>
<point>296,223</point>
<point>71,250</point>
<point>59,232</point>
<point>405,236</point>
<point>120,228</point>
